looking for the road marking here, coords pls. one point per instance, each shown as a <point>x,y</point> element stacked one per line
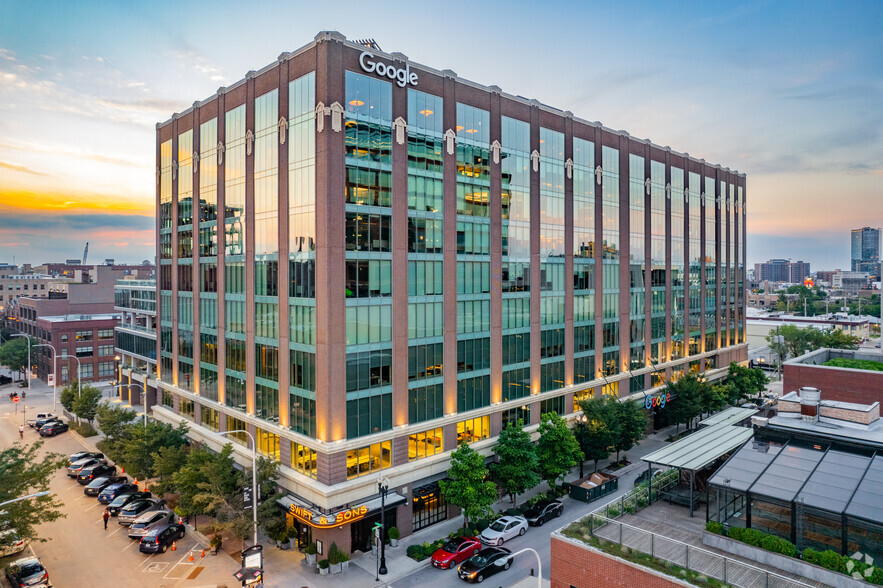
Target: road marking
<point>129,546</point>
<point>97,504</point>
<point>156,566</point>
<point>119,528</point>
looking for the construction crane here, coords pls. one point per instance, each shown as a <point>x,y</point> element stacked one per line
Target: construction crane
<point>85,252</point>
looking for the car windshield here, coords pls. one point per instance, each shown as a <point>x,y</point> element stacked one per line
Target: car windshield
<point>478,560</point>
<point>120,500</point>
<point>452,546</point>
<point>29,569</point>
<point>498,526</point>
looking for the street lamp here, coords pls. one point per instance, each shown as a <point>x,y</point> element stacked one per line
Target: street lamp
<point>254,478</point>
<point>143,396</point>
<point>37,495</point>
<point>77,359</point>
<point>54,372</point>
<point>539,564</point>
<point>29,355</point>
<point>383,487</point>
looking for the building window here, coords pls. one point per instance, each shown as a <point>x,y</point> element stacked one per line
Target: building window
<point>84,335</point>
<point>303,460</point>
<point>185,408</point>
<point>85,351</point>
<point>425,361</point>
<point>209,418</point>
<point>105,369</point>
<point>365,460</point>
<point>366,416</point>
<point>105,333</point>
<point>513,415</point>
<point>473,430</point>
<point>429,507</point>
<point>234,424</point>
<point>425,443</point>
<point>86,371</point>
<point>167,399</point>
<point>105,350</point>
<point>555,405</point>
<point>425,403</point>
<point>268,444</point>
<point>64,338</point>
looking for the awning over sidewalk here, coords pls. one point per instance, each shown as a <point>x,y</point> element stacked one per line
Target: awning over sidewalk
<point>731,416</point>
<point>701,448</point>
<point>314,517</point>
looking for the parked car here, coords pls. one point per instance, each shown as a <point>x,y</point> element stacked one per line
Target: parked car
<point>96,486</point>
<point>503,529</point>
<point>74,469</point>
<point>84,455</point>
<point>159,539</point>
<point>5,380</point>
<point>13,543</point>
<point>486,562</point>
<point>53,428</point>
<point>110,492</point>
<point>86,475</point>
<point>134,509</point>
<point>151,520</point>
<point>124,500</point>
<point>455,551</point>
<point>543,511</point>
<point>45,417</point>
<point>28,571</point>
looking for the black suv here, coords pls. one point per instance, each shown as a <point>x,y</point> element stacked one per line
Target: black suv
<point>95,487</point>
<point>123,500</point>
<point>53,428</point>
<point>86,475</point>
<point>76,467</point>
<point>542,511</point>
<point>159,539</point>
<point>112,491</point>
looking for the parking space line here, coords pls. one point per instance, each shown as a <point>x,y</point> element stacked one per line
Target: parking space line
<point>129,546</point>
<point>119,528</point>
<point>96,505</point>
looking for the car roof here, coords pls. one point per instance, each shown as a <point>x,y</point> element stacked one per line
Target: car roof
<point>508,519</point>
<point>160,529</point>
<point>26,560</point>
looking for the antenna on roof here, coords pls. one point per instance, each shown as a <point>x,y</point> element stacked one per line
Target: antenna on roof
<point>370,43</point>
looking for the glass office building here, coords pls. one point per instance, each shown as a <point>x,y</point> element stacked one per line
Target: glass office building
<point>364,262</point>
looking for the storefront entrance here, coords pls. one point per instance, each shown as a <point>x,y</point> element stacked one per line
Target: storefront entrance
<point>361,530</point>
<point>428,507</point>
<point>304,531</point>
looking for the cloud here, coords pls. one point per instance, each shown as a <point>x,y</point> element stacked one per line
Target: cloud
<point>20,168</point>
<point>49,223</point>
<point>7,54</point>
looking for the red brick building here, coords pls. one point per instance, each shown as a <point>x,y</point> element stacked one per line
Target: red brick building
<point>88,338</point>
<point>836,383</point>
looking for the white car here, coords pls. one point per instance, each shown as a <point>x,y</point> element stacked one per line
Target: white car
<point>503,529</point>
<point>10,544</point>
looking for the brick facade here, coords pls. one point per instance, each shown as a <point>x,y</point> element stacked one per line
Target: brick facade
<point>840,384</point>
<point>578,565</point>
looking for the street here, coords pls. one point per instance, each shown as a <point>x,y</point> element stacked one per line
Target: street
<point>79,551</point>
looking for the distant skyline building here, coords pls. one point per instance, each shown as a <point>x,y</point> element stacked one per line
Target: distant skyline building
<point>365,262</point>
<point>781,270</point>
<point>866,245</point>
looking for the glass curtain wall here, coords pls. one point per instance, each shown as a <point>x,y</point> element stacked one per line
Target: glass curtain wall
<point>710,211</point>
<point>302,255</point>
<point>740,270</point>
<point>208,259</point>
<point>185,260</point>
<point>368,255</point>
<point>166,371</point>
<point>731,246</point>
<point>234,258</point>
<point>658,274</point>
<point>266,259</point>
<point>473,258</point>
<point>678,256</point>
<point>695,260</point>
<point>552,344</point>
<point>610,362</point>
<point>637,265</point>
<point>583,261</point>
<point>425,256</point>
<point>515,170</point>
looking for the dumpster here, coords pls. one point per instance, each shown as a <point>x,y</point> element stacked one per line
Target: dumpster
<point>593,487</point>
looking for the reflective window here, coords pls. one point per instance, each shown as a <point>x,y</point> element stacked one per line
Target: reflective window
<point>473,430</point>
<point>367,460</point>
<point>425,443</point>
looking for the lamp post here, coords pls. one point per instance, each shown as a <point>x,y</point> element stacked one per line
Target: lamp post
<point>254,478</point>
<point>539,564</point>
<point>54,372</point>
<point>37,495</point>
<point>28,338</point>
<point>383,487</point>
<point>143,397</point>
<point>77,359</point>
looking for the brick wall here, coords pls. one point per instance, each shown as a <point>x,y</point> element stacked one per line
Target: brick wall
<point>575,564</point>
<point>843,385</point>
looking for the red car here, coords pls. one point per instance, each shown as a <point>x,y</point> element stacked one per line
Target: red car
<point>455,551</point>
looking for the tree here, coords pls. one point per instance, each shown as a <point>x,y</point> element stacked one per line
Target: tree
<point>745,382</point>
<point>467,485</point>
<point>630,426</point>
<point>557,449</point>
<point>14,354</point>
<point>112,420</point>
<point>685,394</point>
<point>839,339</point>
<point>167,461</point>
<point>137,444</point>
<point>69,396</point>
<point>712,398</point>
<point>595,431</point>
<point>87,402</point>
<point>25,470</point>
<point>517,469</point>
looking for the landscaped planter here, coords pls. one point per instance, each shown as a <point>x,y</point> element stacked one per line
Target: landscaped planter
<point>782,562</point>
<point>310,558</point>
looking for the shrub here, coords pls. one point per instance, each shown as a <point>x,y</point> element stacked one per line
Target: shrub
<point>612,512</point>
<point>323,564</point>
<point>513,512</point>
<point>415,552</point>
<point>394,533</point>
<point>311,549</point>
<point>714,527</point>
<point>778,545</point>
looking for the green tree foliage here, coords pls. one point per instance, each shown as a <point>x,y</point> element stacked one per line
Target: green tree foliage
<point>797,341</point>
<point>596,433</point>
<point>516,469</point>
<point>25,470</point>
<point>685,404</point>
<point>745,382</point>
<point>838,339</point>
<point>113,418</point>
<point>69,395</point>
<point>168,461</point>
<point>14,354</point>
<point>136,445</point>
<point>467,485</point>
<point>630,425</point>
<point>557,448</point>
<point>87,402</point>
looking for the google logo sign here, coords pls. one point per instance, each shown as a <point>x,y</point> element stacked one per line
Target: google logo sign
<point>654,401</point>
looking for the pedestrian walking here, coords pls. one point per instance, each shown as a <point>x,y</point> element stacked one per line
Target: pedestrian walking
<point>21,431</point>
<point>106,516</point>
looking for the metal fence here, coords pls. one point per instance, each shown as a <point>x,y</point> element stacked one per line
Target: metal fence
<point>687,556</point>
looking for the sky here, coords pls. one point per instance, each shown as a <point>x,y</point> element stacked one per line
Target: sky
<point>788,92</point>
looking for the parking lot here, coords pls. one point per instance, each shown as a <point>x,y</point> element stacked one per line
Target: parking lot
<point>80,552</point>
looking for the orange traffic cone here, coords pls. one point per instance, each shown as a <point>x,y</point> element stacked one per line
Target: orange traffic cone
<point>203,553</point>
<point>123,470</point>
<point>191,556</point>
<point>136,482</point>
<point>174,546</point>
